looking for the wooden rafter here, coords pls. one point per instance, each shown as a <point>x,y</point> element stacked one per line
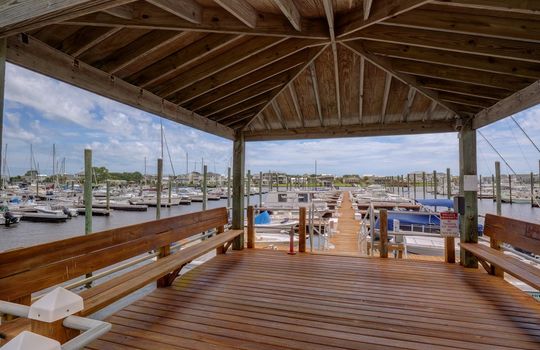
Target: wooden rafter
<point>257,60</point>
<point>329,11</point>
<point>517,6</point>
<point>189,10</point>
<point>277,112</point>
<point>387,66</point>
<point>297,109</point>
<point>39,57</point>
<point>361,90</point>
<point>352,131</point>
<point>386,95</point>
<point>464,88</point>
<point>408,104</point>
<point>290,11</point>
<point>367,8</point>
<point>86,38</point>
<point>315,86</point>
<point>521,100</point>
<point>255,102</point>
<point>465,22</point>
<point>463,43</point>
<point>380,10</point>
<point>430,111</point>
<point>212,20</point>
<point>26,15</point>
<point>242,10</point>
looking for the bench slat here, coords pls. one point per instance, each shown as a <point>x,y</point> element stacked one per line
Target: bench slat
<point>521,234</point>
<point>512,266</point>
<point>105,294</point>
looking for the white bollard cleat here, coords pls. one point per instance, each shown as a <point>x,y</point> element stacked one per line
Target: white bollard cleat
<point>30,341</point>
<point>56,305</point>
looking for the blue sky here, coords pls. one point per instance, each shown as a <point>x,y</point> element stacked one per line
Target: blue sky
<point>42,111</point>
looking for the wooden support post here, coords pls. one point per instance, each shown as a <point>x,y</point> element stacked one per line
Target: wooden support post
<point>498,187</point>
<point>170,191</point>
<point>250,227</point>
<point>220,249</point>
<point>302,230</point>
<point>408,185</point>
<point>493,187</point>
<point>383,230</point>
<point>532,189</point>
<point>434,183</point>
<point>158,187</point>
<point>467,158</point>
<point>424,184</point>
<point>54,330</point>
<point>87,191</point>
<point>228,187</point>
<point>260,189</point>
<point>108,194</point>
<point>205,188</point>
<point>448,183</point>
<point>238,189</point>
<point>510,186</point>
<point>480,188</point>
<point>449,250</point>
<point>248,187</point>
<point>414,186</point>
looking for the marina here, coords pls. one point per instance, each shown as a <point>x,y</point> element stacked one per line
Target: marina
<point>227,237</point>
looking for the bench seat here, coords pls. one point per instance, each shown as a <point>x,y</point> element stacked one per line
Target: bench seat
<point>520,270</point>
<point>113,290</point>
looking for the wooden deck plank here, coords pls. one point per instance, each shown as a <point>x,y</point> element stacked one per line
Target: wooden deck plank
<point>346,240</point>
<point>261,299</point>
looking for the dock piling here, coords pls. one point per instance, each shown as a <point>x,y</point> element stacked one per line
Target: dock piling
<point>250,227</point>
<point>498,186</point>
<point>435,185</point>
<point>260,189</point>
<point>424,184</point>
<point>205,188</point>
<point>302,230</point>
<point>158,187</point>
<point>108,194</point>
<point>248,187</point>
<point>383,228</point>
<point>414,186</point>
<point>87,199</point>
<point>448,183</point>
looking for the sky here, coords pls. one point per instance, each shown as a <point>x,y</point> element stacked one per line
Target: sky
<point>40,111</point>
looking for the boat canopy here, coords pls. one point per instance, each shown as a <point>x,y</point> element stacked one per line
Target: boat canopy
<point>263,218</point>
<point>448,203</point>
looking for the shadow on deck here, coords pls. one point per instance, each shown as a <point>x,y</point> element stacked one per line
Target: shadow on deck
<point>258,299</point>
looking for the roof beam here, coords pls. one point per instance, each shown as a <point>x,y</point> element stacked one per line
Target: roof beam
<point>37,56</point>
<point>464,88</point>
<point>290,11</point>
<point>26,15</point>
<point>277,112</point>
<point>464,43</point>
<point>241,10</point>
<point>521,100</point>
<point>352,131</point>
<point>408,104</point>
<point>462,75</point>
<point>189,10</point>
<point>387,66</point>
<point>297,109</point>
<point>387,86</point>
<point>466,100</point>
<point>367,8</point>
<point>517,6</point>
<point>86,38</point>
<point>380,10</point>
<point>329,11</point>
<point>483,24</point>
<point>361,90</point>
<point>212,20</point>
<point>461,60</point>
<point>315,85</point>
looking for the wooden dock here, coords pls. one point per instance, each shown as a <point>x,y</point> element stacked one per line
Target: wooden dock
<point>260,299</point>
<point>346,239</point>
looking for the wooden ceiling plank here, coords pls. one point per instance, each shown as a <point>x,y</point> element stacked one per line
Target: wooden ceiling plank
<point>470,23</point>
<point>468,76</point>
<point>352,131</point>
<point>521,100</point>
<point>248,49</point>
<point>254,103</point>
<point>387,66</point>
<point>166,67</point>
<point>466,100</point>
<point>461,60</point>
<point>277,112</point>
<point>86,38</point>
<point>464,43</point>
<point>189,10</point>
<point>290,11</point>
<point>240,9</point>
<point>387,85</point>
<point>408,104</point>
<point>213,20</point>
<point>361,90</point>
<point>312,56</point>
<point>37,56</point>
<point>152,41</point>
<point>297,108</point>
<point>243,67</point>
<point>247,81</point>
<point>315,87</point>
<point>380,10</point>
<point>517,6</point>
<point>27,15</point>
<point>464,88</point>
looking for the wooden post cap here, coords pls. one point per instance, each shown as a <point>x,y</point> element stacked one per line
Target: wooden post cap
<point>28,340</point>
<point>56,305</point>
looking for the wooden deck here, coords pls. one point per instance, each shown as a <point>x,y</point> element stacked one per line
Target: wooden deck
<point>346,240</point>
<point>260,299</point>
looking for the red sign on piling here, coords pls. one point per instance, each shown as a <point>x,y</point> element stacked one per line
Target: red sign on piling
<point>449,224</point>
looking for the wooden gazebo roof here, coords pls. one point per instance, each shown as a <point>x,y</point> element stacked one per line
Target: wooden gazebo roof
<point>281,69</point>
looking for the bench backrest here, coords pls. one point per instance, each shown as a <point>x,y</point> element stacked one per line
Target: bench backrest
<point>27,270</point>
<point>520,234</point>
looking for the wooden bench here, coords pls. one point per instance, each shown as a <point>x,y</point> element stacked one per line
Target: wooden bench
<point>519,234</point>
<point>28,270</point>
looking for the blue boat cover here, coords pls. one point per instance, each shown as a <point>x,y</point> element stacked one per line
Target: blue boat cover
<point>448,203</point>
<point>263,218</point>
<point>411,219</point>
